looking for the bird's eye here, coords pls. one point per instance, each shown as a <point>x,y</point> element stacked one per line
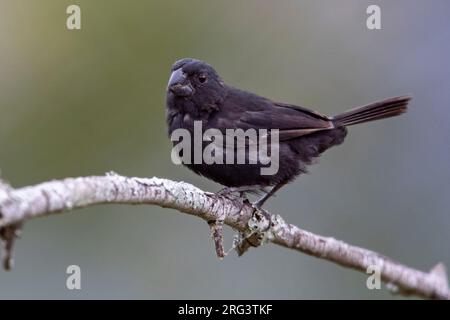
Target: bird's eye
<point>202,78</point>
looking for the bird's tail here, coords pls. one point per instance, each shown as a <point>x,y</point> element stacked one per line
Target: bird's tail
<point>378,110</point>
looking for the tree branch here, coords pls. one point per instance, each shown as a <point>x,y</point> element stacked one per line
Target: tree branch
<point>255,227</point>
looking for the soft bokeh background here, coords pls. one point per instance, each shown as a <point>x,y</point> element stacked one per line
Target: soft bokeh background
<point>76,103</point>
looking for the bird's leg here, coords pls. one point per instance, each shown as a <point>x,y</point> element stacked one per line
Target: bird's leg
<point>258,204</point>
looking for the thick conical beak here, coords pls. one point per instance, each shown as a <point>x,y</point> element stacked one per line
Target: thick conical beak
<point>179,84</point>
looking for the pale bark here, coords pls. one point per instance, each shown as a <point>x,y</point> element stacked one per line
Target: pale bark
<point>19,205</point>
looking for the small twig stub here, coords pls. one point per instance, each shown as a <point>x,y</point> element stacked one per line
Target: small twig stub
<point>8,235</point>
<point>216,228</point>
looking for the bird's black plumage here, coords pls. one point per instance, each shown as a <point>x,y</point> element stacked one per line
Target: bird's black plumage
<point>197,93</point>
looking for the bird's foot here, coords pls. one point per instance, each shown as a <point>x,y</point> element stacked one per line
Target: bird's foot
<point>257,205</point>
<point>231,193</point>
<point>226,191</point>
<point>259,230</point>
<point>236,193</point>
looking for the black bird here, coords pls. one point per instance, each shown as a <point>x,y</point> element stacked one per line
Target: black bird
<point>196,92</point>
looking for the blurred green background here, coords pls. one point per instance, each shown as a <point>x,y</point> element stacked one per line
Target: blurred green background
<point>76,103</point>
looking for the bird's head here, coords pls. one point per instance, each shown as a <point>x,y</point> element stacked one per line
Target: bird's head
<point>195,81</point>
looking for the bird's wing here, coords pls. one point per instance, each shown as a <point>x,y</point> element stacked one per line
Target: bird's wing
<point>291,121</point>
